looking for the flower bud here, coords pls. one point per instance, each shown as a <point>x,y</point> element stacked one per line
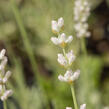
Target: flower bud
<point>2,53</point>
<point>6,94</point>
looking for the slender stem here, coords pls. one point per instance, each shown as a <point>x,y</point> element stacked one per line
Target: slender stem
<point>64,52</point>
<point>83,46</point>
<point>74,97</point>
<point>4,105</point>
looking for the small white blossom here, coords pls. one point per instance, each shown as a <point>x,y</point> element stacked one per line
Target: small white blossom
<point>69,76</point>
<point>81,29</point>
<point>68,107</point>
<point>6,94</point>
<point>2,53</point>
<point>62,39</point>
<point>62,60</point>
<point>57,25</point>
<point>66,60</point>
<point>3,63</point>
<point>83,106</point>
<point>70,56</point>
<point>6,77</point>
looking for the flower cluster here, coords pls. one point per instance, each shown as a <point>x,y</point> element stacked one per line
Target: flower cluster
<point>57,25</point>
<point>62,39</point>
<point>64,59</point>
<point>83,106</point>
<point>4,76</point>
<point>81,14</point>
<point>69,76</point>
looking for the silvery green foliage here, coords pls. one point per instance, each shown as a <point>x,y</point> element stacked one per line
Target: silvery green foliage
<point>26,97</point>
<point>90,93</point>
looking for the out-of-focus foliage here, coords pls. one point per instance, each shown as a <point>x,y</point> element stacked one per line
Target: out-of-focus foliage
<point>46,92</point>
<point>90,82</point>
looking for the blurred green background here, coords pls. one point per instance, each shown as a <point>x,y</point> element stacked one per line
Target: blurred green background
<point>25,32</point>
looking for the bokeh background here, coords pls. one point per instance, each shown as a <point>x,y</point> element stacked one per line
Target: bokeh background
<point>25,32</point>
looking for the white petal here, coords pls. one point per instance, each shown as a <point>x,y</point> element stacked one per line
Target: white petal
<point>77,26</point>
<point>2,53</point>
<point>3,63</point>
<point>83,106</point>
<point>55,26</point>
<point>88,34</point>
<point>61,59</point>
<point>55,40</point>
<point>85,3</point>
<point>62,38</point>
<point>61,22</point>
<point>75,75</point>
<point>70,56</point>
<point>68,107</point>
<point>1,87</point>
<point>68,74</point>
<point>7,75</point>
<point>69,39</point>
<point>61,78</point>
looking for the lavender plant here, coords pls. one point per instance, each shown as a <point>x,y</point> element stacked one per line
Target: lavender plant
<point>81,13</point>
<point>65,59</point>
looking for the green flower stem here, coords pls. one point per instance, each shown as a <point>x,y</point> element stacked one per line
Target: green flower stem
<point>4,105</point>
<point>74,97</point>
<point>64,52</point>
<point>83,46</point>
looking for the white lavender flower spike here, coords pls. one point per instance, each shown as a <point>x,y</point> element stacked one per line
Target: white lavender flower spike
<point>83,106</point>
<point>81,14</point>
<point>62,40</point>
<point>68,107</point>
<point>4,76</point>
<point>66,60</point>
<point>69,76</point>
<point>57,25</point>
